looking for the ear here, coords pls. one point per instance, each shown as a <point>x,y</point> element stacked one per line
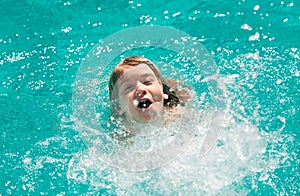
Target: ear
<point>166,96</point>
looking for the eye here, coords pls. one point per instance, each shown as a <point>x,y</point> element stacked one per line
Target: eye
<point>127,89</point>
<point>148,81</point>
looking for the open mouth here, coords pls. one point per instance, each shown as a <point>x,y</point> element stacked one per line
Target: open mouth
<point>144,104</point>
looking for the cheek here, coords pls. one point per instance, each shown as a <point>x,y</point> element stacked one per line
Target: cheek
<point>157,97</point>
<point>124,100</point>
<point>158,94</point>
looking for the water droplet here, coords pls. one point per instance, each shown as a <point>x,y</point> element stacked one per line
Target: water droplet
<point>254,37</point>
<point>246,27</point>
<point>256,7</point>
<point>263,177</point>
<point>278,81</point>
<point>135,102</point>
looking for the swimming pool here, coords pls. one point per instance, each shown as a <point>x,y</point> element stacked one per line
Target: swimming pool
<point>255,46</point>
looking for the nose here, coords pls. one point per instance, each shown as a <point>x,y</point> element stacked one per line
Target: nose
<point>140,90</point>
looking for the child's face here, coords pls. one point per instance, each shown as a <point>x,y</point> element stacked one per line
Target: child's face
<point>140,94</point>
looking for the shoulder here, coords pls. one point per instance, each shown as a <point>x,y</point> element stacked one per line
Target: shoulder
<point>183,92</point>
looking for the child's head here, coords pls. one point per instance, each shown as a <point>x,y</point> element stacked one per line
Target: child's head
<point>138,91</point>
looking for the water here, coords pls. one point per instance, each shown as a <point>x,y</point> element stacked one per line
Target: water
<point>255,46</point>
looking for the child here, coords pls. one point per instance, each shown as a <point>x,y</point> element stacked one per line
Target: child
<point>139,95</point>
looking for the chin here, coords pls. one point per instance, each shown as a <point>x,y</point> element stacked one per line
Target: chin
<point>151,116</point>
<point>145,119</point>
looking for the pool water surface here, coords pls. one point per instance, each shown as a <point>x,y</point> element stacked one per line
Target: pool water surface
<point>255,46</point>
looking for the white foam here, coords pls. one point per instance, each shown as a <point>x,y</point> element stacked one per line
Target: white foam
<point>236,149</point>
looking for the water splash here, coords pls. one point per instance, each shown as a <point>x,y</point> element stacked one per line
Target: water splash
<point>238,147</point>
<point>248,154</point>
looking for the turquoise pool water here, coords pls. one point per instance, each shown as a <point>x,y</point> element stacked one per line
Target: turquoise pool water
<point>256,48</point>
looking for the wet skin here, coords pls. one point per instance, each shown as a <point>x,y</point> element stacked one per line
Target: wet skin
<point>140,94</point>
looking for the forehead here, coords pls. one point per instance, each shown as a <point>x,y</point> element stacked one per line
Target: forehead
<point>136,71</point>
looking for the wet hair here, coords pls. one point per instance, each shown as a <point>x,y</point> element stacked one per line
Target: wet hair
<point>127,63</point>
